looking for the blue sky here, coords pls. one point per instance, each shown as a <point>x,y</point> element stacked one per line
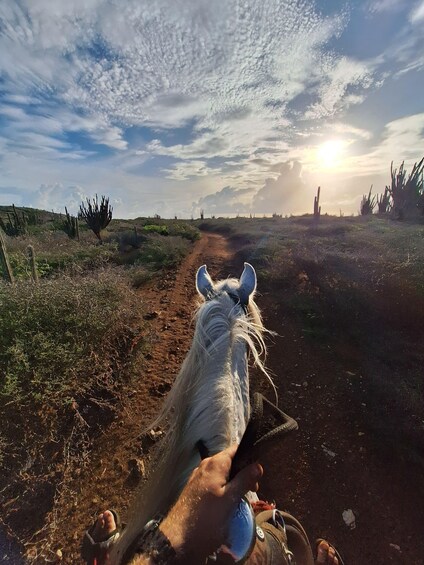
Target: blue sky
<point>233,106</point>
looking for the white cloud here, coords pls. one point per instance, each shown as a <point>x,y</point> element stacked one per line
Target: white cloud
<point>334,91</point>
<point>228,200</point>
<point>380,6</point>
<point>186,169</point>
<point>164,65</point>
<point>284,194</point>
<point>401,140</point>
<point>56,196</point>
<point>417,14</point>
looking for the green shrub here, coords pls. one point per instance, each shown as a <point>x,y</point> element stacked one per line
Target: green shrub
<point>156,252</point>
<point>184,229</point>
<point>57,338</point>
<point>152,228</point>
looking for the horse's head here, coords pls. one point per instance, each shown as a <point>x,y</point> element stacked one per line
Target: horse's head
<point>240,291</point>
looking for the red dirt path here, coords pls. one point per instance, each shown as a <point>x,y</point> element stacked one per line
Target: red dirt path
<point>320,387</point>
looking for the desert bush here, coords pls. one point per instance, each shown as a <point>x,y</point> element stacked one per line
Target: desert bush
<point>153,228</point>
<point>185,230</point>
<point>67,351</point>
<point>128,239</point>
<point>139,275</point>
<point>156,252</point>
<point>57,254</point>
<point>57,338</point>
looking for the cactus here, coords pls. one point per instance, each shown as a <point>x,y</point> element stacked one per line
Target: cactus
<point>16,223</point>
<point>407,193</point>
<point>33,263</point>
<point>368,203</point>
<point>32,217</point>
<point>96,216</point>
<point>71,226</point>
<point>7,270</point>
<point>317,207</point>
<point>383,201</point>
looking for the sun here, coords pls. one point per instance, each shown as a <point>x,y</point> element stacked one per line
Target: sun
<point>330,152</point>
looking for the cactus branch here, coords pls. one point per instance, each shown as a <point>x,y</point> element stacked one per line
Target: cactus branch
<point>8,274</point>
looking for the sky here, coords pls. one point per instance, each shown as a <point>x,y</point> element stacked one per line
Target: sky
<point>231,106</point>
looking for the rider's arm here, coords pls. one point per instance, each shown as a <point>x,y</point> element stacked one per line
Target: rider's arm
<point>195,525</point>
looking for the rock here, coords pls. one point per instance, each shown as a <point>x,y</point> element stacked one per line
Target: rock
<point>395,546</point>
<point>59,553</point>
<point>163,388</point>
<point>137,468</point>
<point>151,315</point>
<point>155,434</point>
<point>149,438</point>
<point>349,518</point>
<point>330,454</point>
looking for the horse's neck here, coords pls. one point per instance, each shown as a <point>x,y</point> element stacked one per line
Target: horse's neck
<point>240,383</point>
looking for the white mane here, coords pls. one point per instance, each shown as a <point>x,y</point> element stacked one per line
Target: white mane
<point>209,401</point>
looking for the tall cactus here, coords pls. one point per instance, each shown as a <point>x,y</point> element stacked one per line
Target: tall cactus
<point>71,226</point>
<point>16,224</point>
<point>7,269</point>
<point>383,201</point>
<point>317,207</point>
<point>33,263</point>
<point>368,203</point>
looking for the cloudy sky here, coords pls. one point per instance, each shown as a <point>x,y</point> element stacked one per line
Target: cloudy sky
<point>233,106</point>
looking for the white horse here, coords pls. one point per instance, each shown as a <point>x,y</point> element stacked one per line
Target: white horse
<point>208,404</point>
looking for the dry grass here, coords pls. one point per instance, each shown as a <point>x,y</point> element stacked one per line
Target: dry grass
<point>67,347</point>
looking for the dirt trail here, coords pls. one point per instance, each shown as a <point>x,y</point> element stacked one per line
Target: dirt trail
<point>328,466</point>
<point>108,482</point>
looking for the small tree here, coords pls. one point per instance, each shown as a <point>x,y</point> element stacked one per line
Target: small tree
<point>368,203</point>
<point>97,216</point>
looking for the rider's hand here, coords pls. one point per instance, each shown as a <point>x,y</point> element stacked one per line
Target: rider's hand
<point>195,525</point>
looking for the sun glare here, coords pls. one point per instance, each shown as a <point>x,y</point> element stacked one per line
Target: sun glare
<point>330,152</point>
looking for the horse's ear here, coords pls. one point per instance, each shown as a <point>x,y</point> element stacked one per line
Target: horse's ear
<point>247,283</point>
<point>204,283</point>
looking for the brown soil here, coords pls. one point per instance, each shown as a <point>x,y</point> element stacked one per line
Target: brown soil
<point>323,388</point>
